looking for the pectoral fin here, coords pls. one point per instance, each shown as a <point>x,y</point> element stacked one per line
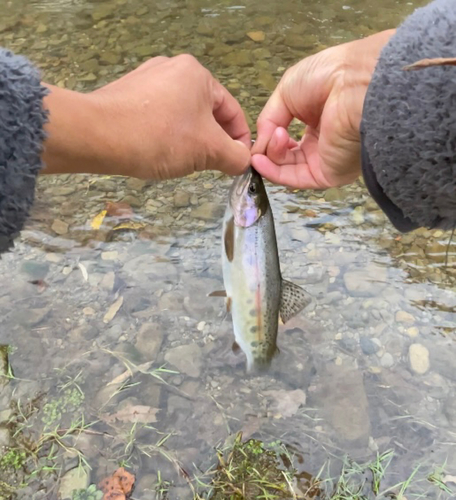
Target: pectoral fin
<point>294,300</point>
<point>218,293</point>
<point>228,239</point>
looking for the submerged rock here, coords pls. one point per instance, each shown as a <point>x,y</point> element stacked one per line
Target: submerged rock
<point>181,199</point>
<point>208,211</point>
<point>368,346</point>
<point>186,358</point>
<point>149,340</point>
<point>419,358</point>
<point>366,282</point>
<point>74,479</point>
<point>343,399</point>
<point>404,317</point>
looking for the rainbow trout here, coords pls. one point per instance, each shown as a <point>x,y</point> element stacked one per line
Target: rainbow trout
<point>256,293</point>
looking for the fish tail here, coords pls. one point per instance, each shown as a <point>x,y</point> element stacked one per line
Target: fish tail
<point>261,364</point>
<point>258,365</point>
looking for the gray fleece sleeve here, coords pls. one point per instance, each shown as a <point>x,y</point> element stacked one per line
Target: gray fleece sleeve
<point>408,128</point>
<point>22,120</point>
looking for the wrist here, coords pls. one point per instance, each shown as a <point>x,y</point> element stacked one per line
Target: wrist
<point>80,136</point>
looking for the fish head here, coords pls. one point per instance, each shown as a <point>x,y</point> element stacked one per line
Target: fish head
<point>248,198</point>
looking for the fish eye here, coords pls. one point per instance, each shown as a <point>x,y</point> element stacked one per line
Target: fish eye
<point>252,188</point>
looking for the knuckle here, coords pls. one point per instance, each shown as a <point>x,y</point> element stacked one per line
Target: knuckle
<point>187,60</point>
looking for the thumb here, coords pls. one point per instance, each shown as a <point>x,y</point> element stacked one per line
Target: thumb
<point>230,156</point>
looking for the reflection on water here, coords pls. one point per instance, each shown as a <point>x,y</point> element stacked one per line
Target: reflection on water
<point>111,319</point>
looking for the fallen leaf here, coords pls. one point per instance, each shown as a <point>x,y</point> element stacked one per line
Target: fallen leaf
<point>98,220</point>
<point>427,63</point>
<point>84,272</point>
<point>118,486</point>
<point>130,372</point>
<point>119,209</point>
<point>113,310</point>
<point>286,403</point>
<point>137,413</point>
<point>256,36</point>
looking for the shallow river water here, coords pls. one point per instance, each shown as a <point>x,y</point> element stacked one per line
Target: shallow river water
<point>369,367</point>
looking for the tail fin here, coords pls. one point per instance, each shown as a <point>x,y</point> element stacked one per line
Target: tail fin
<point>259,365</point>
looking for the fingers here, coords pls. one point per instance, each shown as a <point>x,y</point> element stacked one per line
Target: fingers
<point>299,168</point>
<point>279,148</point>
<point>275,114</point>
<point>230,156</point>
<point>296,176</point>
<point>228,113</point>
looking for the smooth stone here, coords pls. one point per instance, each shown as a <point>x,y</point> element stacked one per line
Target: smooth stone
<point>412,332</point>
<point>103,12</point>
<point>108,281</point>
<point>133,201</point>
<point>256,36</point>
<point>135,184</point>
<point>419,358</point>
<point>149,340</point>
<point>109,255</point>
<point>208,211</point>
<point>74,479</point>
<point>144,51</point>
<point>302,42</point>
<point>387,360</point>
<point>181,199</point>
<point>342,397</point>
<point>368,346</point>
<point>186,358</point>
<point>442,358</point>
<point>404,317</point>
<point>36,270</point>
<point>110,58</point>
<point>240,58</point>
<point>262,53</point>
<point>267,81</point>
<point>59,227</point>
<point>90,66</point>
<point>333,194</point>
<point>33,317</point>
<point>367,282</point>
<point>5,437</point>
<point>358,215</point>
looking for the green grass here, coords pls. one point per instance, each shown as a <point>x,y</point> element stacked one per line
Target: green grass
<point>255,470</point>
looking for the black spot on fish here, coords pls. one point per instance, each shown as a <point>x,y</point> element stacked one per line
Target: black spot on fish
<point>254,343</point>
<point>229,239</point>
<point>253,329</point>
<point>252,312</point>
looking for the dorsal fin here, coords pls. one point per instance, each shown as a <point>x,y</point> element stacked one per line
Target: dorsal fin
<point>294,299</point>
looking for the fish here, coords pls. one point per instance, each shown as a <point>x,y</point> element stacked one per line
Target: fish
<point>256,294</point>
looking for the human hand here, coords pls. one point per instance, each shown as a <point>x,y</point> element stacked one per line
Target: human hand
<point>325,91</point>
<point>168,118</point>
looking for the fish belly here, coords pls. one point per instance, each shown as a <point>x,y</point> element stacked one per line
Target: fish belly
<point>253,284</point>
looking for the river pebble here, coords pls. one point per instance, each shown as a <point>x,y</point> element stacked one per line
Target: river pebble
<point>419,358</point>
